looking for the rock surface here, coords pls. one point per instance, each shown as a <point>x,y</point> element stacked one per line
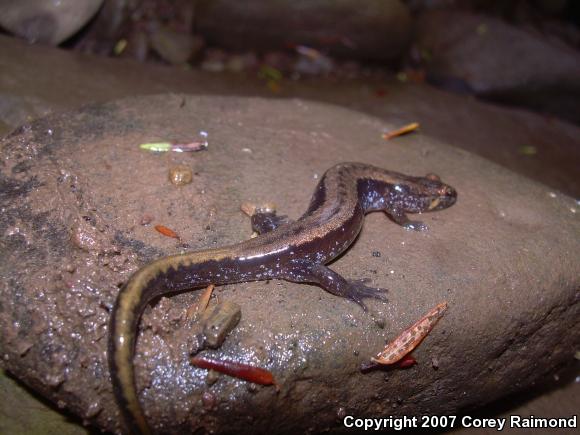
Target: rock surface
<point>76,186</point>
<point>494,60</point>
<point>379,30</point>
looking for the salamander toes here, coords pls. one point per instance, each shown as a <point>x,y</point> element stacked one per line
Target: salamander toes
<point>358,291</point>
<point>415,226</point>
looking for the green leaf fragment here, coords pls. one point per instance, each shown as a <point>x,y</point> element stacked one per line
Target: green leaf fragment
<point>270,73</point>
<point>120,46</point>
<point>159,147</point>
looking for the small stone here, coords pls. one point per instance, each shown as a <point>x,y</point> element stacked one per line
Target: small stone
<point>212,377</point>
<point>84,237</point>
<point>180,175</point>
<point>54,380</point>
<point>252,388</point>
<point>208,400</point>
<point>22,347</point>
<point>218,321</point>
<point>146,219</point>
<point>94,409</point>
<point>248,208</point>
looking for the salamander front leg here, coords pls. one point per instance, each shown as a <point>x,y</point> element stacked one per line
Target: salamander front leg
<point>265,220</point>
<point>400,217</point>
<point>332,282</point>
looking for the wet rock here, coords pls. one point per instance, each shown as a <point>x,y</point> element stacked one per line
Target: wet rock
<point>511,296</point>
<point>49,22</point>
<point>379,30</point>
<point>489,57</point>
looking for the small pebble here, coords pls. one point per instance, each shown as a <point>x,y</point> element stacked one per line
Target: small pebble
<point>94,409</point>
<point>218,321</point>
<point>212,377</point>
<point>208,400</point>
<point>248,208</point>
<point>180,175</point>
<point>83,236</point>
<point>146,219</point>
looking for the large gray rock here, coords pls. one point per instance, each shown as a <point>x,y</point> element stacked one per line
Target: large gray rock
<point>498,61</point>
<point>48,22</point>
<point>376,30</point>
<point>75,188</point>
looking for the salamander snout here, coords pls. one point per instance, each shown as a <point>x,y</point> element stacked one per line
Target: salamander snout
<point>432,193</point>
<point>445,196</point>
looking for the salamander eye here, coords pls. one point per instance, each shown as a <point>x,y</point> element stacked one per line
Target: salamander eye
<point>433,177</point>
<point>447,191</point>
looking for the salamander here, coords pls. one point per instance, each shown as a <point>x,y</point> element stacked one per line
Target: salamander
<point>294,251</point>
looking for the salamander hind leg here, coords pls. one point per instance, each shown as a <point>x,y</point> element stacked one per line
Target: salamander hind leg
<point>332,282</point>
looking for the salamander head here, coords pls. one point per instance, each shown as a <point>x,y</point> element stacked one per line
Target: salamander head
<point>421,194</point>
